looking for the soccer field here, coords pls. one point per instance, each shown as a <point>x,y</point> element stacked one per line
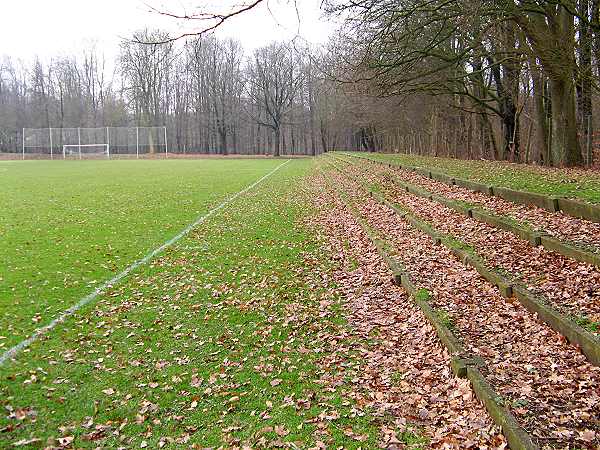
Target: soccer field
<point>271,303</point>
<point>224,338</point>
<point>67,227</point>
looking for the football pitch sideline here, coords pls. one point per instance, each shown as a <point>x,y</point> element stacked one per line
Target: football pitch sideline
<point>215,341</point>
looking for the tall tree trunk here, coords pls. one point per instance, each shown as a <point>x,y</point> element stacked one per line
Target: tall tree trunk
<point>585,74</point>
<point>554,41</point>
<point>223,140</point>
<point>311,112</point>
<point>277,136</point>
<point>541,115</point>
<point>508,109</point>
<point>595,13</point>
<point>324,145</point>
<point>565,146</point>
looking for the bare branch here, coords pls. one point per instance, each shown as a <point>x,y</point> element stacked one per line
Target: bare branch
<point>215,20</point>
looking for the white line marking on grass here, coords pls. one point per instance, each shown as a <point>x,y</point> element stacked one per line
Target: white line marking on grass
<point>13,351</point>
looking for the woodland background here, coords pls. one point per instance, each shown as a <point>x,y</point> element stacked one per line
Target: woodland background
<point>503,80</point>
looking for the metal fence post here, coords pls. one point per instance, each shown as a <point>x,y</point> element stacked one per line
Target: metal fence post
<point>108,142</point>
<point>166,144</point>
<point>79,141</point>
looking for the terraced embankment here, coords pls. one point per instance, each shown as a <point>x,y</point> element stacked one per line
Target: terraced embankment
<point>544,382</point>
<point>574,191</point>
<point>404,367</point>
<point>582,233</point>
<point>568,285</point>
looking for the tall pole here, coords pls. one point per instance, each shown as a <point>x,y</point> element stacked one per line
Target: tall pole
<point>137,142</point>
<point>51,153</point>
<point>79,141</point>
<point>23,143</point>
<point>166,144</point>
<point>108,142</point>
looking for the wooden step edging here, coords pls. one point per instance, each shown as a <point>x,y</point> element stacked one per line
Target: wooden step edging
<point>571,207</point>
<point>587,342</point>
<point>535,238</point>
<point>570,251</point>
<point>516,436</point>
<point>462,365</point>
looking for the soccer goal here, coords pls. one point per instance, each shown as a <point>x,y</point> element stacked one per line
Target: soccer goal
<point>86,151</point>
<point>95,143</point>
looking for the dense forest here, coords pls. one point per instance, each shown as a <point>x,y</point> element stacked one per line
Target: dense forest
<point>479,79</point>
<point>509,80</point>
<point>211,95</point>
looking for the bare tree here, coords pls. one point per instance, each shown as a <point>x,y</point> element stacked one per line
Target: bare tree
<point>145,68</point>
<point>275,79</point>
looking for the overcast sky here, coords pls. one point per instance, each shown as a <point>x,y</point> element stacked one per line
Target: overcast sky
<point>61,27</point>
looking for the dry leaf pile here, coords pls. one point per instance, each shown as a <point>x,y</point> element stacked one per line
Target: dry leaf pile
<point>561,226</point>
<point>571,286</point>
<point>404,372</point>
<point>546,383</point>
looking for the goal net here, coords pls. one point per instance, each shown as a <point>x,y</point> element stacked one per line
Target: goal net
<point>95,143</point>
<point>86,151</point>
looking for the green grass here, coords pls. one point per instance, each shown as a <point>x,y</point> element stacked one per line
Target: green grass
<point>572,183</point>
<point>68,226</point>
<point>446,319</point>
<point>413,439</point>
<point>223,340</point>
<point>423,295</point>
<point>452,242</point>
<point>353,263</point>
<point>586,323</point>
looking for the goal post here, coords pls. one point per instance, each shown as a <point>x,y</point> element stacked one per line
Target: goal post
<point>99,142</point>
